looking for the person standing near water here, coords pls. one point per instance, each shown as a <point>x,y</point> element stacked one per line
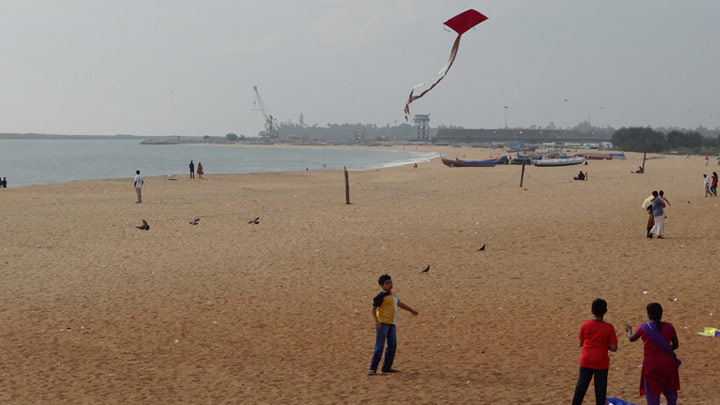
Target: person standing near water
<point>200,170</point>
<point>138,186</point>
<point>192,170</point>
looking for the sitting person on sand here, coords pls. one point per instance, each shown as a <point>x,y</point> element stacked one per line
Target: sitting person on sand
<point>639,170</point>
<point>580,176</point>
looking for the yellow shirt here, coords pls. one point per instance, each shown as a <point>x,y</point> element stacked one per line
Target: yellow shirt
<point>386,307</point>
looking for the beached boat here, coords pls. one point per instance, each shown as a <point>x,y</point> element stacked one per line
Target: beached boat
<point>620,155</point>
<point>563,161</point>
<point>595,156</point>
<point>468,163</point>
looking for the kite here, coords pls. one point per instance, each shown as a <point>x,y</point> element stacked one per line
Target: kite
<point>460,24</point>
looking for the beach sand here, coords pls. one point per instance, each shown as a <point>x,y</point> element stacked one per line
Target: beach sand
<point>279,312</point>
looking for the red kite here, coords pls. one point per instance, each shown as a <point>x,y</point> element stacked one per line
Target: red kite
<point>460,24</point>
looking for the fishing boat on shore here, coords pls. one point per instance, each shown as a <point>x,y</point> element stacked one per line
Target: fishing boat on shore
<point>595,156</point>
<point>561,161</point>
<point>468,163</point>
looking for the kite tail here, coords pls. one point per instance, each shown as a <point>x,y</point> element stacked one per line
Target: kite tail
<point>442,73</point>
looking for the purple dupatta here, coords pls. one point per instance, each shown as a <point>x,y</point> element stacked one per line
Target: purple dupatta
<point>654,334</point>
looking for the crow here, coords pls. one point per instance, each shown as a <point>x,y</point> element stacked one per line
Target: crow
<point>482,248</point>
<point>255,221</point>
<point>195,221</point>
<point>426,269</point>
<point>144,227</point>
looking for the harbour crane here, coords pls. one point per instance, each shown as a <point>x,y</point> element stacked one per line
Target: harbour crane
<point>270,122</point>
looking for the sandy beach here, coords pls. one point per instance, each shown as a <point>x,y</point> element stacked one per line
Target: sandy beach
<point>96,311</point>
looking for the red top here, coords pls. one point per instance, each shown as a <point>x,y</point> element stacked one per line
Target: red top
<point>659,371</point>
<point>597,336</point>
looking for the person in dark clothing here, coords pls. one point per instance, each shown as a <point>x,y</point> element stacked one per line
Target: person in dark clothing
<point>192,170</point>
<point>580,176</point>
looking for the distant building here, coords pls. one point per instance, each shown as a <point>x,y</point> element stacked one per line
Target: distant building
<point>359,136</point>
<point>537,136</point>
<point>422,126</point>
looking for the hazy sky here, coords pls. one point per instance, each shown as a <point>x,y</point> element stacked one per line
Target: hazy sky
<point>161,67</point>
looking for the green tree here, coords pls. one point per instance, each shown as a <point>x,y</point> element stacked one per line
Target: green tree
<point>231,137</point>
<point>639,139</point>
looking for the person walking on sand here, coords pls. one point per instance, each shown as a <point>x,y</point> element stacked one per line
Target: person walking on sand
<point>138,186</point>
<point>657,209</point>
<point>707,160</point>
<point>706,183</point>
<point>714,184</point>
<point>646,206</point>
<point>200,170</point>
<point>596,338</point>
<point>660,363</point>
<point>384,312</point>
<point>192,170</point>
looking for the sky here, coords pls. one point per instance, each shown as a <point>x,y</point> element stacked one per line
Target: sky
<point>181,67</point>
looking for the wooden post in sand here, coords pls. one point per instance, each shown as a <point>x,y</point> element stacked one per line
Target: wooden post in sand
<point>643,166</point>
<point>522,174</point>
<point>347,186</point>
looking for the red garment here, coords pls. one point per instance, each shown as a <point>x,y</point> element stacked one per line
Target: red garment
<point>714,181</point>
<point>660,370</point>
<point>596,337</point>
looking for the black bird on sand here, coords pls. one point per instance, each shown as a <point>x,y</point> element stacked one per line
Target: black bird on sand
<point>195,221</point>
<point>426,269</point>
<point>255,221</point>
<point>144,226</point>
<point>482,248</point>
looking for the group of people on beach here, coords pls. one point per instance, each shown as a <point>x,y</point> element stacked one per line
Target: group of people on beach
<point>710,184</point>
<point>655,206</point>
<point>660,364</point>
<point>200,171</point>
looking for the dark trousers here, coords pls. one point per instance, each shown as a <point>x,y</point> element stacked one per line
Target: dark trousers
<point>584,381</point>
<point>386,332</point>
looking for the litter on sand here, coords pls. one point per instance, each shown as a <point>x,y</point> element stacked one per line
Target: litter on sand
<point>710,332</point>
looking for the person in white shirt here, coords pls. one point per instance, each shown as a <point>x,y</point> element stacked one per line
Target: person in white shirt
<point>138,186</point>
<point>707,185</point>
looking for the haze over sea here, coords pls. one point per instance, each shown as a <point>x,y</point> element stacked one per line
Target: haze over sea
<point>43,161</point>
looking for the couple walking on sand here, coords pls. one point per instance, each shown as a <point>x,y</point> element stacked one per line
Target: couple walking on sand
<point>711,184</point>
<point>655,206</point>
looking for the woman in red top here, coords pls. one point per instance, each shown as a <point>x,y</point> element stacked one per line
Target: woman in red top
<point>714,184</point>
<point>596,338</point>
<point>660,364</point>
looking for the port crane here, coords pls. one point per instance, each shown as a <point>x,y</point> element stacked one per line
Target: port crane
<point>270,122</point>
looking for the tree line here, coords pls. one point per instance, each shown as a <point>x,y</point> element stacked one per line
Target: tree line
<point>646,139</point>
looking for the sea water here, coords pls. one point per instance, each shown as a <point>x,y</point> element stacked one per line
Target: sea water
<point>48,161</point>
